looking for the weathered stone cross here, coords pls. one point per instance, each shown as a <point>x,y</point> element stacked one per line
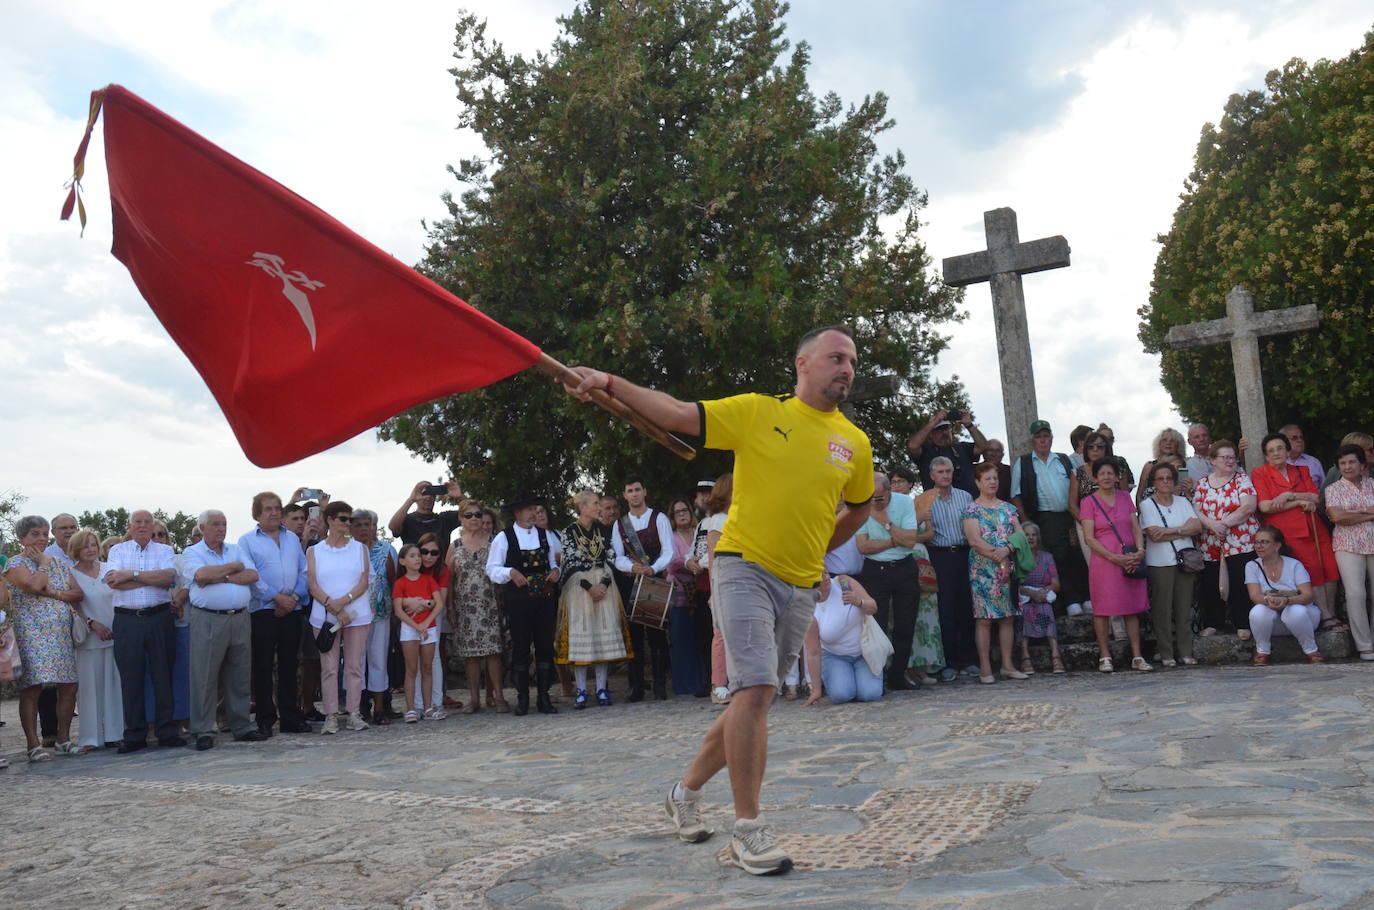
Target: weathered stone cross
<point>869,389</point>
<point>1002,264</point>
<point>1243,328</point>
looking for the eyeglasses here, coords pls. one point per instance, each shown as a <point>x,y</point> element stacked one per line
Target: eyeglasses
<point>682,511</point>
<point>429,552</point>
<point>1226,458</point>
<point>1267,543</point>
<point>344,518</point>
<point>472,514</point>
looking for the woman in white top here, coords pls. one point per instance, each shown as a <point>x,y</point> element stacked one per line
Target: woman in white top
<point>834,649</point>
<point>1281,591</point>
<point>99,698</point>
<point>338,570</point>
<point>718,507</point>
<point>1170,524</point>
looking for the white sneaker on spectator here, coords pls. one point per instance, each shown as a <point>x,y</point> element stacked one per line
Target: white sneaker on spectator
<point>720,695</point>
<point>753,849</point>
<point>331,724</point>
<point>355,722</point>
<point>1087,606</point>
<point>1074,609</point>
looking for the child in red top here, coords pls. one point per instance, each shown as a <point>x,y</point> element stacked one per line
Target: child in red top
<point>417,600</point>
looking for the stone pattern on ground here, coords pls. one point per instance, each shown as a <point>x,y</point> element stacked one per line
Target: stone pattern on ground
<point>1220,788</point>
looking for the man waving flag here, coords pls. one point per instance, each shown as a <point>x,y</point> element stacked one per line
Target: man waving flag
<point>268,295</point>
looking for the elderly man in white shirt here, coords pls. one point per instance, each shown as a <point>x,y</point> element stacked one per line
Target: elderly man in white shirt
<point>141,571</point>
<point>523,560</point>
<point>220,578</point>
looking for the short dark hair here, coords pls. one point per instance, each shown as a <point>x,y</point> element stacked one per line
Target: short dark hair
<point>816,333</point>
<point>293,507</point>
<point>1106,462</point>
<point>1163,466</point>
<point>1274,533</point>
<point>905,473</point>
<point>1357,451</point>
<point>1270,437</point>
<point>634,479</point>
<point>982,468</point>
<point>336,508</point>
<point>1215,449</point>
<point>1079,434</point>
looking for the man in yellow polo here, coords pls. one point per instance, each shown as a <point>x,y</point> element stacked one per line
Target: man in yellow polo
<point>796,456</point>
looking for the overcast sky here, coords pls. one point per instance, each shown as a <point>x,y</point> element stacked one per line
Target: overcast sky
<point>1082,116</point>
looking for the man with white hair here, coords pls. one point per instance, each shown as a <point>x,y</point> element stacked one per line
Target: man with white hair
<point>220,578</point>
<point>141,571</point>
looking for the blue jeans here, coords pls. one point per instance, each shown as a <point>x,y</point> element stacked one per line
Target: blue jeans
<point>848,679</point>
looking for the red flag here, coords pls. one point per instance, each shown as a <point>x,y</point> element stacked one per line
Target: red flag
<point>272,299</point>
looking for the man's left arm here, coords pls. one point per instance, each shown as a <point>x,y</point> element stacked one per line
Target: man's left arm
<point>980,442</point>
<point>665,537</point>
<point>248,574</point>
<point>903,530</point>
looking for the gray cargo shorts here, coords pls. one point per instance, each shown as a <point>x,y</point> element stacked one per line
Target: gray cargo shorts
<point>762,620</point>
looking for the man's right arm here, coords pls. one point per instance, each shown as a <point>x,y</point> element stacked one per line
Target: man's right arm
<point>670,413</point>
<point>398,520</point>
<point>918,439</point>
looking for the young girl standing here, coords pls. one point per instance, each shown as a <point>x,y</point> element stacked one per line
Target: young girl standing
<point>417,599</point>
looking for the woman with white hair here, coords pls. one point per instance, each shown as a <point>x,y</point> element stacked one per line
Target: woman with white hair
<point>99,698</point>
<point>1168,448</point>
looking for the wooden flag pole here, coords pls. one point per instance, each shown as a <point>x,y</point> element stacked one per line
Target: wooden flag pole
<point>562,374</point>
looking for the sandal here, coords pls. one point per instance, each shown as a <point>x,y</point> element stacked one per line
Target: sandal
<point>66,748</point>
<point>1026,666</point>
<point>38,753</point>
<point>1057,664</point>
<point>82,750</point>
<point>1141,664</point>
<point>412,716</point>
<point>435,714</point>
<point>1104,665</point>
<point>1190,661</point>
<point>471,707</point>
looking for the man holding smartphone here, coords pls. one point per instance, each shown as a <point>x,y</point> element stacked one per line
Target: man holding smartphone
<point>411,526</point>
<point>936,438</point>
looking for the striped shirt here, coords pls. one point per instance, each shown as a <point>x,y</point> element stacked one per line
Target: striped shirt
<point>947,518</point>
<point>129,556</point>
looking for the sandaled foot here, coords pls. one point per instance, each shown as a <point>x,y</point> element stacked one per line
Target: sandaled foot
<point>1057,664</point>
<point>1104,665</point>
<point>38,754</point>
<point>1027,667</point>
<point>1141,664</point>
<point>1260,660</point>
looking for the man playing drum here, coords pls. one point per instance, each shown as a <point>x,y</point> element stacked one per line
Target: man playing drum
<point>642,540</point>
<point>796,456</point>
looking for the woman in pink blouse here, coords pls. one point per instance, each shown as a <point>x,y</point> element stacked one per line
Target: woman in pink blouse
<point>1350,503</point>
<point>1225,501</point>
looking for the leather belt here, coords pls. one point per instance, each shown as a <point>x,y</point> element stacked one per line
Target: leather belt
<point>220,612</point>
<point>954,549</point>
<point>143,611</point>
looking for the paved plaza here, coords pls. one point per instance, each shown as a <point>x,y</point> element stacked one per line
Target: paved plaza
<point>1232,787</point>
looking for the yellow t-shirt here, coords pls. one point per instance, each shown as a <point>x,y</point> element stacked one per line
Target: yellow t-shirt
<point>792,465</point>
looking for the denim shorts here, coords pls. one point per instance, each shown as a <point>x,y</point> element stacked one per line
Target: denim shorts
<point>762,620</point>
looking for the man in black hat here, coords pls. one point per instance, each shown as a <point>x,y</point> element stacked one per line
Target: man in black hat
<point>523,560</point>
<point>936,438</point>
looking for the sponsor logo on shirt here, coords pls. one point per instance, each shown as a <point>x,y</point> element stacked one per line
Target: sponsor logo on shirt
<point>841,452</point>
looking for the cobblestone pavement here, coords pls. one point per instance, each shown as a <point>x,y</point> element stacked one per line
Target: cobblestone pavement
<point>1213,787</point>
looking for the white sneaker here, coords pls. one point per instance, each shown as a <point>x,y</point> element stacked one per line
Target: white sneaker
<point>331,725</point>
<point>355,722</point>
<point>753,849</point>
<point>720,695</point>
<point>1074,609</point>
<point>1087,606</point>
<point>685,815</point>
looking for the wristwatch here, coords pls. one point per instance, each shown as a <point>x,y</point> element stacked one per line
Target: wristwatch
<point>887,526</point>
<point>135,574</point>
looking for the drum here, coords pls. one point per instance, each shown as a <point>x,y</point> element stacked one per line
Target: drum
<point>652,596</point>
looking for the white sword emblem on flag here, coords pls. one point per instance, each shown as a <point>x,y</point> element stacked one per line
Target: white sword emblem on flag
<point>272,264</point>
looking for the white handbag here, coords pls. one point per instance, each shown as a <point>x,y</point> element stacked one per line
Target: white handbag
<point>874,646</point>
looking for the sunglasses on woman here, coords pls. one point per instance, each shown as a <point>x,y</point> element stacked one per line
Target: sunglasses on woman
<point>429,552</point>
<point>472,514</point>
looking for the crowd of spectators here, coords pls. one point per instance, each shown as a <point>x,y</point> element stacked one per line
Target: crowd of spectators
<point>314,620</point>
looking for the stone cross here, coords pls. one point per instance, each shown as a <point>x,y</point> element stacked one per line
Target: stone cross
<point>1002,264</point>
<point>1243,328</point>
<point>869,389</point>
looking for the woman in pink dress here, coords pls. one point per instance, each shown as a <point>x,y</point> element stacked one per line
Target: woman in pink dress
<point>1113,535</point>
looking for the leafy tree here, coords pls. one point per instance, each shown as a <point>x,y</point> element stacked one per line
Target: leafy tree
<point>665,197</point>
<point>10,502</point>
<point>1280,200</point>
<point>115,523</point>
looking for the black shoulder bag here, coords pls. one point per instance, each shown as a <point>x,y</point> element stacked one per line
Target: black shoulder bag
<point>1189,559</point>
<point>1126,548</point>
